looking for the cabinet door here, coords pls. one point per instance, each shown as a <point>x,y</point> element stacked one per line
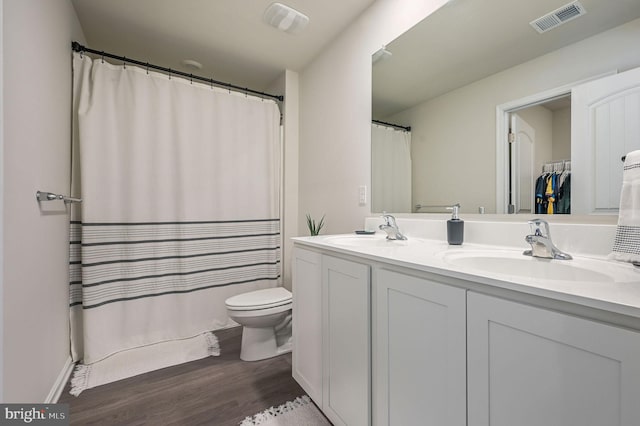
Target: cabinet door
<point>419,371</point>
<point>346,341</point>
<point>529,366</point>
<point>307,322</point>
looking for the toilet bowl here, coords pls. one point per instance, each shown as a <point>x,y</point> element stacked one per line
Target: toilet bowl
<point>266,319</point>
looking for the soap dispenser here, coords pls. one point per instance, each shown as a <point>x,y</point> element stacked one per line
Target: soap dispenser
<point>455,227</point>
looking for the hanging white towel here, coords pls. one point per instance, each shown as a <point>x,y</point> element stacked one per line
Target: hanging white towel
<point>626,246</point>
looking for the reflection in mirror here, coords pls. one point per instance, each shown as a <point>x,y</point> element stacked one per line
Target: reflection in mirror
<point>390,167</point>
<point>446,77</point>
<point>540,158</point>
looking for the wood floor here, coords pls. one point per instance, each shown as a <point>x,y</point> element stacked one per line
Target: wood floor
<point>215,391</point>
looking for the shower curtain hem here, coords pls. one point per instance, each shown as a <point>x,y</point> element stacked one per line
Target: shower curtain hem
<point>144,359</point>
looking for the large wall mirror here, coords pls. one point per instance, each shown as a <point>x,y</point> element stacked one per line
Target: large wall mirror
<point>446,91</point>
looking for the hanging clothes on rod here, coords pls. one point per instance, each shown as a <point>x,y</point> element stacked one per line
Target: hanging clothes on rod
<point>553,188</point>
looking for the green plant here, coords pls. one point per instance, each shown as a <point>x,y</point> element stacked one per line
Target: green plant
<point>314,229</point>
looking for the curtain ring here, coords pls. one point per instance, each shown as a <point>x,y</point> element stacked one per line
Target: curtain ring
<point>191,78</point>
<point>124,62</point>
<point>102,57</point>
<point>147,68</point>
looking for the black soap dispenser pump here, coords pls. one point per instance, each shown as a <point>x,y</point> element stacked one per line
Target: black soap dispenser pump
<point>455,227</point>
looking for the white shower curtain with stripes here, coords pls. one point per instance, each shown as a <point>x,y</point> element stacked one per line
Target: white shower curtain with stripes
<point>390,169</point>
<point>180,189</point>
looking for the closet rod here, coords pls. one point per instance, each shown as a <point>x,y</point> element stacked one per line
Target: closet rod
<point>397,126</point>
<point>77,47</point>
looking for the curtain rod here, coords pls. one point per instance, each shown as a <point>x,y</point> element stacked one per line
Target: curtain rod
<point>77,47</point>
<point>397,126</point>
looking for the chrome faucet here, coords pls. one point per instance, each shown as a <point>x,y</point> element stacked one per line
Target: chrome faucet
<point>391,228</point>
<point>541,244</point>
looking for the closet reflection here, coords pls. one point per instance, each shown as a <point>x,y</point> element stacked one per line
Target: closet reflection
<point>540,158</point>
<point>553,189</point>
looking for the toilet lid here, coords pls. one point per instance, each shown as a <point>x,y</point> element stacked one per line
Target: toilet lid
<point>260,299</point>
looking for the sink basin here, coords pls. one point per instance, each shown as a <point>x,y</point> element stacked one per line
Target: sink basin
<point>515,264</point>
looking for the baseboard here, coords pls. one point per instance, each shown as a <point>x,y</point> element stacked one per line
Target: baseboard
<point>61,382</point>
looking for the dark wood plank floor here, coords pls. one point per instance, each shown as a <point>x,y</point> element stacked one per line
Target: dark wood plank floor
<point>218,391</point>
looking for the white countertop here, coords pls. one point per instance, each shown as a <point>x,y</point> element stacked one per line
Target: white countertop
<point>602,284</point>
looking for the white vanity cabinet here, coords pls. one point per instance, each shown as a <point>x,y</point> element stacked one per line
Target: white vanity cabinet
<point>419,347</point>
<point>529,366</point>
<point>332,335</point>
<point>346,351</point>
<point>307,322</point>
<point>381,343</point>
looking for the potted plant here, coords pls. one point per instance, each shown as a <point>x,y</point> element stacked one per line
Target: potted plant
<point>314,229</point>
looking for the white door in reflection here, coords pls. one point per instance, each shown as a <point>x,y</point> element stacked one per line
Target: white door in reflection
<point>521,149</point>
<point>605,126</point>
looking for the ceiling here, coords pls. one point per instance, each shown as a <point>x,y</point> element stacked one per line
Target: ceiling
<point>227,37</point>
<point>467,40</point>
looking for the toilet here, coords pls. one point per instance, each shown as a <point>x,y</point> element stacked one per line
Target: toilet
<point>266,319</point>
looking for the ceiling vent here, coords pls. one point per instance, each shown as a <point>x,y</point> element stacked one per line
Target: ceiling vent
<point>558,17</point>
<point>285,18</point>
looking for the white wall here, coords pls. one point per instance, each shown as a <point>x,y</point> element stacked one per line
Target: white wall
<point>335,115</point>
<point>1,203</point>
<point>288,84</point>
<point>462,122</point>
<point>562,134</point>
<point>36,135</point>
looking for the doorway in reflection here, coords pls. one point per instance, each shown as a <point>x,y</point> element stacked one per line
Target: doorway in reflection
<point>540,157</point>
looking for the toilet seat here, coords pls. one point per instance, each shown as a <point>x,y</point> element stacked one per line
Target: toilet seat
<point>259,299</point>
<point>265,316</point>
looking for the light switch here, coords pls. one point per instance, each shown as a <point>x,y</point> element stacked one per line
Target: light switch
<point>362,194</point>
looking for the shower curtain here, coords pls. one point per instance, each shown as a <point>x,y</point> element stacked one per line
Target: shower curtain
<point>390,169</point>
<point>180,189</point>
